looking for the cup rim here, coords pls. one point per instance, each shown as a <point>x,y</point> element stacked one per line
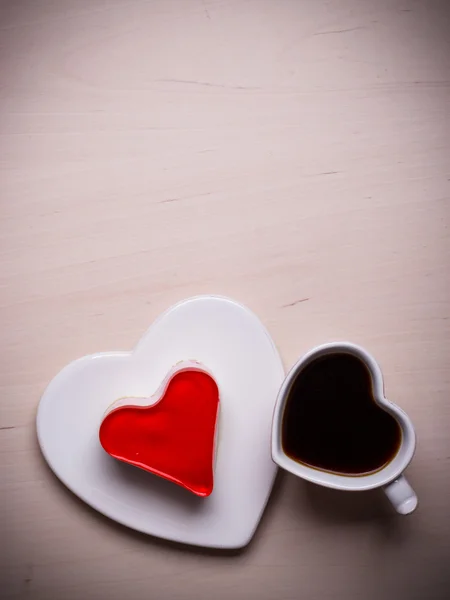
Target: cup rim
<point>385,475</point>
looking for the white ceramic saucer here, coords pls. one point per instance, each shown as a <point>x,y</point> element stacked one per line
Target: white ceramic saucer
<point>234,345</point>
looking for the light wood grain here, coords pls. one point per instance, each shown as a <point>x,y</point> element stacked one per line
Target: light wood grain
<point>294,155</point>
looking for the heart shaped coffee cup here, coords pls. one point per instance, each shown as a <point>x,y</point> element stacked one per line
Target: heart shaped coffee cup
<point>333,426</point>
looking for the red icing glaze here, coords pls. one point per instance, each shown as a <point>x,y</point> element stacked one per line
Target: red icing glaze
<point>175,437</point>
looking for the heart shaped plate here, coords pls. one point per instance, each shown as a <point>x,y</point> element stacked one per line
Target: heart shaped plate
<point>233,344</point>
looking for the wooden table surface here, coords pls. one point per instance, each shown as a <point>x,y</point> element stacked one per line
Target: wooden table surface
<point>291,154</point>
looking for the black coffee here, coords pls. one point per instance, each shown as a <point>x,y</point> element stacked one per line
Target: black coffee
<point>331,421</point>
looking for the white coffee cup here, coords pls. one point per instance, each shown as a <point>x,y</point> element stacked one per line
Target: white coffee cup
<point>390,477</point>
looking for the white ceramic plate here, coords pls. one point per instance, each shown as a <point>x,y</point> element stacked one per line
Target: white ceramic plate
<point>234,345</point>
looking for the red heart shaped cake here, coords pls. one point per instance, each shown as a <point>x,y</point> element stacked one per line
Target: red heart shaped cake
<point>173,437</point>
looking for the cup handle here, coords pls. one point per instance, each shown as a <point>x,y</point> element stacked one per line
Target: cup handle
<point>401,495</point>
